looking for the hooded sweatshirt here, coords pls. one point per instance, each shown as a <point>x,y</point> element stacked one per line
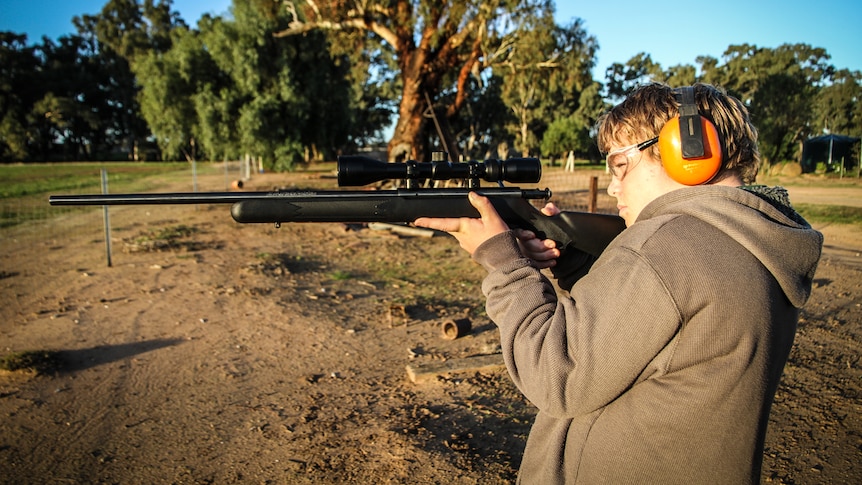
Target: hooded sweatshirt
<point>661,364</point>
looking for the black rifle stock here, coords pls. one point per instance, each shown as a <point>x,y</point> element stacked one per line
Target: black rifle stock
<point>587,232</point>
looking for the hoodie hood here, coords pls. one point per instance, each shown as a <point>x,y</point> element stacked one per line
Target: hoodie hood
<point>762,220</point>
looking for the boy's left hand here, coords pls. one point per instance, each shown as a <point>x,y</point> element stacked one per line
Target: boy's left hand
<point>469,232</point>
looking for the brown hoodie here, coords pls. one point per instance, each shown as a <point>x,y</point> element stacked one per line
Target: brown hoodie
<point>661,365</point>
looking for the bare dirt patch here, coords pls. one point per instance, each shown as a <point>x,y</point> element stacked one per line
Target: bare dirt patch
<point>241,354</point>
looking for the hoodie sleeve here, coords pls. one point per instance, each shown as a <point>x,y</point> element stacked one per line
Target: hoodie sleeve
<point>574,355</point>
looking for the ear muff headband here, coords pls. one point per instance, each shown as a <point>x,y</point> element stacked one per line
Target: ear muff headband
<point>688,144</point>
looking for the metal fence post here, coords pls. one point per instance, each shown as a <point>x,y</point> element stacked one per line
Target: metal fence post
<point>107,218</point>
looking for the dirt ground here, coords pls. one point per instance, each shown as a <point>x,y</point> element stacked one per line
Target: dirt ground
<point>213,352</point>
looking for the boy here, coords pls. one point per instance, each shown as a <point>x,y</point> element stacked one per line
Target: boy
<point>661,364</point>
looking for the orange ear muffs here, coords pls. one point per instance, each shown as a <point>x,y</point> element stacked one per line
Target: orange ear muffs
<point>689,146</point>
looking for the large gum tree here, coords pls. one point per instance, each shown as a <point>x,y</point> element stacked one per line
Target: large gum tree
<point>436,45</point>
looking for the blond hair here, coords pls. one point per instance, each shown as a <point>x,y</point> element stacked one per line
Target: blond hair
<point>648,107</point>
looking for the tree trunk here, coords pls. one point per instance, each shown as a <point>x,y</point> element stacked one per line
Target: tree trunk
<point>422,71</point>
<point>525,135</point>
<point>406,142</point>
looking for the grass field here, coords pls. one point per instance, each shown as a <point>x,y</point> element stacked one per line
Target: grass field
<point>38,179</point>
<point>833,214</point>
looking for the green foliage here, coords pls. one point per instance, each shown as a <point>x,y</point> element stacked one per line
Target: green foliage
<point>18,63</point>
<point>167,96</point>
<point>543,75</point>
<point>621,78</point>
<point>483,120</point>
<point>838,108</point>
<point>565,134</point>
<point>232,89</point>
<point>573,132</point>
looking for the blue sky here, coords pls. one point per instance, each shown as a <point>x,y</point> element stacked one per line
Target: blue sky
<point>679,32</point>
<point>670,33</point>
<point>53,18</point>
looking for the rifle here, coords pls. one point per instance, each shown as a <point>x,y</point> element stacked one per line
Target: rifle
<point>584,231</point>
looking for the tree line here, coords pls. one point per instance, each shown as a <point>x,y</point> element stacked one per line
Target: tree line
<point>295,81</point>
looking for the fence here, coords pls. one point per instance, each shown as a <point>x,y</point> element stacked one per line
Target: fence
<point>29,219</point>
<point>581,190</point>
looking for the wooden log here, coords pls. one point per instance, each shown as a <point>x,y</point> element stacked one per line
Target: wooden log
<point>422,371</point>
<point>402,230</point>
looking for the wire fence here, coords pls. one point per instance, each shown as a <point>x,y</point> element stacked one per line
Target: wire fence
<point>583,190</point>
<point>30,220</point>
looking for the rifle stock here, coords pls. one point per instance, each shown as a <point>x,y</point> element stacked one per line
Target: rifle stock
<point>585,231</point>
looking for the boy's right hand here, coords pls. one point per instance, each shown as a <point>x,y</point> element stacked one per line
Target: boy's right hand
<point>543,252</point>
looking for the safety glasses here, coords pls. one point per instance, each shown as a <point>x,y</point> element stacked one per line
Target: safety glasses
<point>622,160</point>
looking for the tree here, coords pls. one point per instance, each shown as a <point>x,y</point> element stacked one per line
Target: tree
<point>18,91</point>
<point>52,100</point>
<point>543,71</point>
<point>564,135</point>
<point>575,131</point>
<point>122,33</point>
<point>285,99</point>
<point>73,112</point>
<point>169,85</point>
<point>779,87</point>
<point>621,78</point>
<point>838,107</point>
<point>232,89</point>
<point>436,46</point>
<point>480,126</point>
<point>680,75</point>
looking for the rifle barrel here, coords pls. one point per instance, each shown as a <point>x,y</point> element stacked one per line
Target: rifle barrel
<point>232,197</point>
<point>153,199</point>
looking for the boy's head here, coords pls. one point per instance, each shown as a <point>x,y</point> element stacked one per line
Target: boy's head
<point>647,108</point>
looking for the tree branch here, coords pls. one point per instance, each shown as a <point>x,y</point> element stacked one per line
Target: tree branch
<point>357,19</point>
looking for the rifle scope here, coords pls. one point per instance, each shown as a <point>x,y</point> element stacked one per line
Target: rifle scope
<point>355,170</point>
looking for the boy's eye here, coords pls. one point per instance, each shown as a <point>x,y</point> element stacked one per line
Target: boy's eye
<point>617,165</point>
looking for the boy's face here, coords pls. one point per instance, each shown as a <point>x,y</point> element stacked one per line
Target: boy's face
<point>639,183</point>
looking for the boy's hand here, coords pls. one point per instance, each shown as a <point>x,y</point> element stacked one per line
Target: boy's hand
<point>469,232</point>
<point>543,252</point>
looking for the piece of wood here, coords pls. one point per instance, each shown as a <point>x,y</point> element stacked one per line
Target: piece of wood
<point>402,230</point>
<point>422,371</point>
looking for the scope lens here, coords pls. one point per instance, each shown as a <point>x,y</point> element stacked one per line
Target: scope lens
<point>518,170</point>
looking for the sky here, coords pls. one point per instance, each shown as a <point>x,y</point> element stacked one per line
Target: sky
<point>53,18</point>
<point>679,32</point>
<point>671,34</point>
